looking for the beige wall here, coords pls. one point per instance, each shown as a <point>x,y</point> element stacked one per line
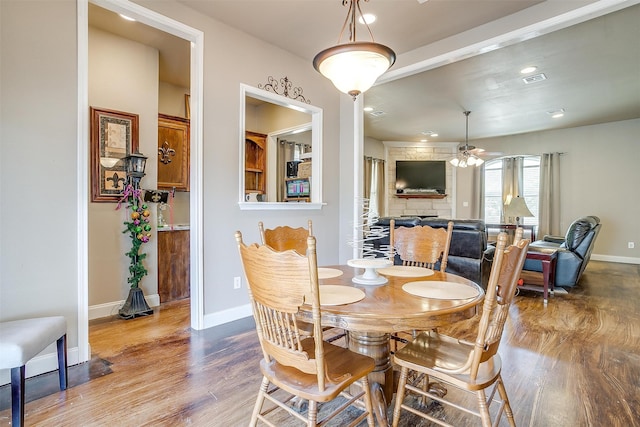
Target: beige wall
<point>374,148</point>
<point>172,99</point>
<point>600,176</point>
<point>38,162</point>
<point>271,117</point>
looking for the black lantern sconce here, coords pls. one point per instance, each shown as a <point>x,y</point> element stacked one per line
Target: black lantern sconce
<point>134,165</point>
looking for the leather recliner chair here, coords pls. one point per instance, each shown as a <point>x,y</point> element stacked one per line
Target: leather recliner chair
<point>574,250</point>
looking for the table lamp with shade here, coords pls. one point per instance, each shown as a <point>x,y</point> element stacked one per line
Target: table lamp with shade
<point>517,208</point>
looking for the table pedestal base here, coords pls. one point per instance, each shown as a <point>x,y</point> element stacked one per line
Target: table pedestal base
<point>376,346</point>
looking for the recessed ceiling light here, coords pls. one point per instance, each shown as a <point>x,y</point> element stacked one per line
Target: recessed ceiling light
<point>423,140</point>
<point>528,70</point>
<point>367,109</point>
<point>429,133</point>
<point>127,18</point>
<point>367,18</point>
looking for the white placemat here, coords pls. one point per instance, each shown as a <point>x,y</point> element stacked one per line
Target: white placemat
<point>338,294</point>
<point>328,273</point>
<point>440,290</point>
<point>405,271</point>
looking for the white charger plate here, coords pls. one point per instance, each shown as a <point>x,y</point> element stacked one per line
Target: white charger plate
<point>440,290</point>
<point>328,273</point>
<point>405,271</point>
<point>339,294</point>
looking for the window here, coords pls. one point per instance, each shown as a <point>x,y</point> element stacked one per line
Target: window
<point>493,184</point>
<point>493,192</point>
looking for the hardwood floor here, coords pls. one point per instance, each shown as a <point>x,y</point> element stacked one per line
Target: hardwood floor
<point>573,363</point>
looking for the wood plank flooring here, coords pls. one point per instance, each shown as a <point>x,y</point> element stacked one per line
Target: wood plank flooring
<point>575,362</point>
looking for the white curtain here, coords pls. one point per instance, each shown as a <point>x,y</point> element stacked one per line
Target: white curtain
<point>549,208</point>
<point>374,185</point>
<point>477,201</point>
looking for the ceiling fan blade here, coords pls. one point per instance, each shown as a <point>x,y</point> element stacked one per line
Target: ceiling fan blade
<point>480,152</point>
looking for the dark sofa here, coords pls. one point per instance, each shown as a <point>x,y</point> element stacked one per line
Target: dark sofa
<point>469,254</point>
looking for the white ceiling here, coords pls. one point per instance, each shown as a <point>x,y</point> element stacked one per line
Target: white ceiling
<point>592,68</point>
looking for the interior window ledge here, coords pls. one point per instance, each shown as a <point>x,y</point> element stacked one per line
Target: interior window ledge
<point>281,206</point>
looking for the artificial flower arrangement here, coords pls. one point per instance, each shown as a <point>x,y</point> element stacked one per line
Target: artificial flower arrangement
<point>139,230</point>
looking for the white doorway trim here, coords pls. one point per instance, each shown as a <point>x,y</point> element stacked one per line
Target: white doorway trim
<point>196,37</point>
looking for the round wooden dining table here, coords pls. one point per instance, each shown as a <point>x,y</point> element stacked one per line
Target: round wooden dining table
<point>388,308</point>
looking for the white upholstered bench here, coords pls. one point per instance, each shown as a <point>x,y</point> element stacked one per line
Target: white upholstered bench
<point>20,341</point>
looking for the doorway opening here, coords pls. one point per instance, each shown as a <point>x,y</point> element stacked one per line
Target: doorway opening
<point>196,39</point>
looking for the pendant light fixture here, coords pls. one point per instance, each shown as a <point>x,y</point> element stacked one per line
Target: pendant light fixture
<point>355,66</point>
<point>465,157</point>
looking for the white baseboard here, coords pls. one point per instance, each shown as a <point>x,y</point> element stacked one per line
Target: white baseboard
<point>227,316</point>
<point>41,364</point>
<point>111,308</point>
<point>620,259</point>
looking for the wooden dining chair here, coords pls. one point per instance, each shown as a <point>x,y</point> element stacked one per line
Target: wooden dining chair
<point>283,238</point>
<point>471,366</point>
<point>421,246</point>
<point>303,367</point>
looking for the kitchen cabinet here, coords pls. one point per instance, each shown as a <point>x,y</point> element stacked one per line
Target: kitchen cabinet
<point>173,265</point>
<point>173,153</point>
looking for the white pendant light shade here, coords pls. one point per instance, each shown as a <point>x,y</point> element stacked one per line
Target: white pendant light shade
<point>354,67</point>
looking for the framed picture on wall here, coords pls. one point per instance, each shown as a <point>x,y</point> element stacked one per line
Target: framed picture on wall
<point>114,135</point>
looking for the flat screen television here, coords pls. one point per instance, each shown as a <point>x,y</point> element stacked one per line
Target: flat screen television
<point>428,176</point>
<point>298,188</point>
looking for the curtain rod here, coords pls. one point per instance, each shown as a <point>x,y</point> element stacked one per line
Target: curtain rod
<point>373,158</point>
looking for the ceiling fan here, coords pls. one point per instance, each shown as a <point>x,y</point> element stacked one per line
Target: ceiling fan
<point>469,155</point>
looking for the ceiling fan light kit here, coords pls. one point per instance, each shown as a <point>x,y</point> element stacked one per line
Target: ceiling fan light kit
<point>355,66</point>
<point>465,157</point>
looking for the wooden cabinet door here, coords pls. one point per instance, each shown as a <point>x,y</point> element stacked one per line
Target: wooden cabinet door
<point>173,265</point>
<point>173,153</point>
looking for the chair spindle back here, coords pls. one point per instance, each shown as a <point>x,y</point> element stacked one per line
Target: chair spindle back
<point>279,283</point>
<point>421,246</point>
